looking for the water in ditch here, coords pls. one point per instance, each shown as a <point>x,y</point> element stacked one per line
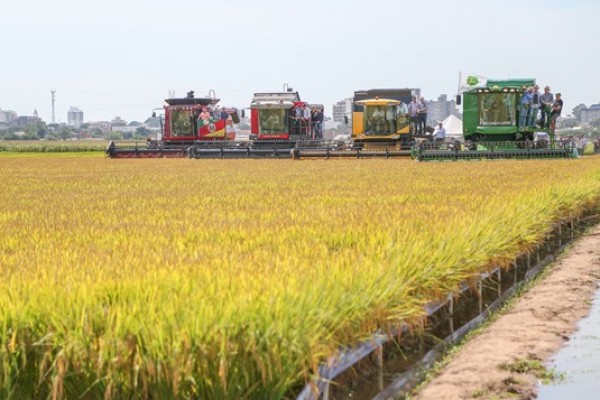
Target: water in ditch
<point>577,364</point>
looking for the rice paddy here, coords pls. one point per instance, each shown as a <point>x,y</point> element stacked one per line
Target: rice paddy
<point>229,279</point>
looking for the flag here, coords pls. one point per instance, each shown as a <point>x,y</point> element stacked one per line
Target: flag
<point>471,81</point>
<point>212,129</point>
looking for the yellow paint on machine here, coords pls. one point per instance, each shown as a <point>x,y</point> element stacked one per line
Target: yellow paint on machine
<point>357,123</point>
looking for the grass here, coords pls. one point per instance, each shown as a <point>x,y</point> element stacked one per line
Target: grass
<point>535,367</point>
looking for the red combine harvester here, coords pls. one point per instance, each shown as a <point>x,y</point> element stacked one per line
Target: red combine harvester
<point>189,121</point>
<point>280,125</point>
<point>278,116</point>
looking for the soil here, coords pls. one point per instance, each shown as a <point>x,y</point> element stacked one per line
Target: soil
<point>533,328</point>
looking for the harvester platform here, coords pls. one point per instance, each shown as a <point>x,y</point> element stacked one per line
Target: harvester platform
<point>489,150</point>
<point>144,149</point>
<point>295,150</point>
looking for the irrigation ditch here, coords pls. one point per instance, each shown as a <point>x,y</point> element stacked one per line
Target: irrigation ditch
<point>390,364</point>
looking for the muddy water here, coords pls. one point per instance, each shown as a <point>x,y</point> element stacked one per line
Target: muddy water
<point>578,362</point>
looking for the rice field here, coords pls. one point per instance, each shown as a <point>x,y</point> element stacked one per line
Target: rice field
<point>235,279</point>
<point>52,146</point>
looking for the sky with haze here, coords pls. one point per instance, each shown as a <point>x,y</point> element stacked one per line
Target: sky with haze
<point>122,58</point>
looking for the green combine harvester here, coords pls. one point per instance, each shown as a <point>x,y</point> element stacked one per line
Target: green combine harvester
<point>491,128</point>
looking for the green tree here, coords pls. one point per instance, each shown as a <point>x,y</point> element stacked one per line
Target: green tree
<point>97,133</point>
<point>569,123</point>
<point>142,133</point>
<point>595,124</point>
<point>65,133</point>
<point>115,135</point>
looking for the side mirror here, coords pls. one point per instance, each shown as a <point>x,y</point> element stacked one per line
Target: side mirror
<point>243,113</point>
<point>345,120</point>
<point>458,100</point>
<point>153,114</point>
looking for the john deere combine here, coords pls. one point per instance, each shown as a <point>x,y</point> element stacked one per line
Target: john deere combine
<point>495,126</point>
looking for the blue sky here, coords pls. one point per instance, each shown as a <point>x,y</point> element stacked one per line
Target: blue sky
<point>121,58</point>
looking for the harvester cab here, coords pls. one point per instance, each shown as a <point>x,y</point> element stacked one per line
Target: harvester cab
<point>190,119</point>
<point>277,116</point>
<point>379,118</point>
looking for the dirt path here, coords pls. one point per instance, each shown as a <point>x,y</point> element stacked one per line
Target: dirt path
<point>534,328</point>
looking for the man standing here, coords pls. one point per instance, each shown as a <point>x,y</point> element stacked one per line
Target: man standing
<point>422,116</point>
<point>306,118</point>
<point>546,100</point>
<point>317,119</point>
<point>413,107</point>
<point>224,114</point>
<point>525,106</point>
<point>556,110</point>
<point>440,133</point>
<point>535,106</point>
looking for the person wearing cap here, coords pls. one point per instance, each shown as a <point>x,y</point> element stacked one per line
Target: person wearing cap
<point>525,107</point>
<point>557,106</point>
<point>546,100</point>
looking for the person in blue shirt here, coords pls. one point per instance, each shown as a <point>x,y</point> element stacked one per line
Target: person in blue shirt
<point>224,114</point>
<point>525,106</point>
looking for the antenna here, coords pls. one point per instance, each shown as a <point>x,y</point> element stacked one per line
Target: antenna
<point>52,92</point>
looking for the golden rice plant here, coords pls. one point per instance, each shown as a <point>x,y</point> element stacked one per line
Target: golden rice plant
<point>231,279</point>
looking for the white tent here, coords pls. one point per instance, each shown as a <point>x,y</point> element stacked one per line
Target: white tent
<point>454,127</point>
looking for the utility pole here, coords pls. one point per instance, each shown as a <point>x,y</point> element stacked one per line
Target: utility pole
<point>52,92</point>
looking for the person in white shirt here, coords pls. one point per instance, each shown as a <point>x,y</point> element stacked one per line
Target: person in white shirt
<point>440,133</point>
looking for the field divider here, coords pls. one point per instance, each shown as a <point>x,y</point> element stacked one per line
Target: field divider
<point>527,265</point>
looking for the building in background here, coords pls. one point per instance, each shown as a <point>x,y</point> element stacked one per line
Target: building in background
<point>440,109</point>
<point>590,114</point>
<point>7,116</point>
<point>118,124</point>
<point>75,117</point>
<point>342,115</point>
<point>24,120</point>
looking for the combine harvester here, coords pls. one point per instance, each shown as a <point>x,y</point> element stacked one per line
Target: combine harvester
<point>184,126</point>
<point>276,129</point>
<point>491,127</point>
<point>380,127</point>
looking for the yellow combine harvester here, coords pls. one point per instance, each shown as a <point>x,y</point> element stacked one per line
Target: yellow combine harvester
<point>380,118</point>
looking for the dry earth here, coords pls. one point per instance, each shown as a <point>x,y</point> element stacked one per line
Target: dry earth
<point>534,327</point>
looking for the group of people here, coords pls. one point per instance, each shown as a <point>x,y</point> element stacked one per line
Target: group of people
<point>207,115</point>
<point>382,120</point>
<point>533,103</point>
<point>309,122</point>
<point>579,143</point>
